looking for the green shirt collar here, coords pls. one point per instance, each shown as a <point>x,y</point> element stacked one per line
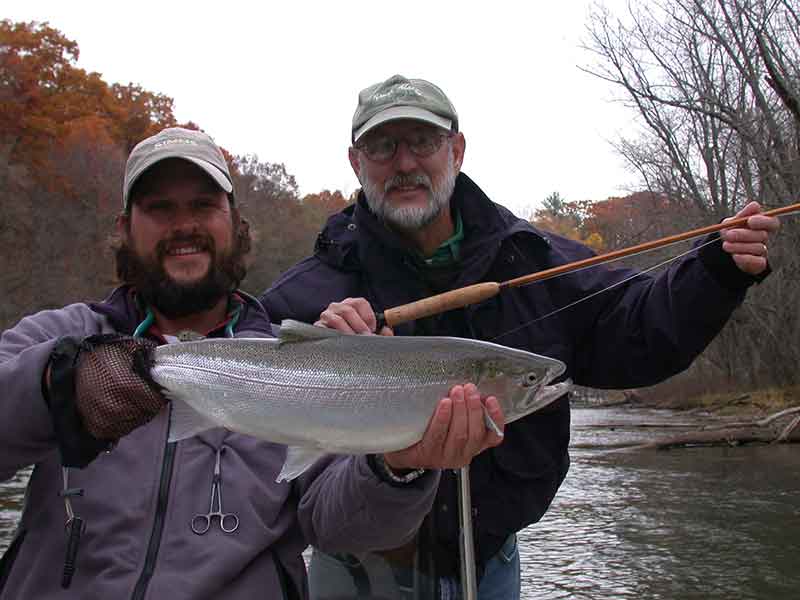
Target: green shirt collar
<point>447,252</point>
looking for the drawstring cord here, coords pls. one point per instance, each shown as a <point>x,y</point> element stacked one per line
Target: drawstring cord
<point>142,328</point>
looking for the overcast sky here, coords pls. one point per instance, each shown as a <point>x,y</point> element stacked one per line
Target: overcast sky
<point>281,81</point>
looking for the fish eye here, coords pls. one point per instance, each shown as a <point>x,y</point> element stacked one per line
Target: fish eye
<point>530,379</point>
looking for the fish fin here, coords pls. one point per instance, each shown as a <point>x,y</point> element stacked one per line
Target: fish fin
<point>491,424</point>
<point>184,421</point>
<point>298,460</point>
<point>296,331</point>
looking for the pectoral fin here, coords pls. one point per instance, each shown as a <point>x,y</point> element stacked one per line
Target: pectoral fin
<point>298,460</point>
<point>184,421</point>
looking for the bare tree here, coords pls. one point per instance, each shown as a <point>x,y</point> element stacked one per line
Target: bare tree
<point>715,85</point>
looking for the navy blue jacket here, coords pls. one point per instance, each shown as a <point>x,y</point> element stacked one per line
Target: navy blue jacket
<point>632,335</point>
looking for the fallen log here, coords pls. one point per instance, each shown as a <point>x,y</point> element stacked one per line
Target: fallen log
<point>766,430</point>
<point>624,425</point>
<point>721,437</point>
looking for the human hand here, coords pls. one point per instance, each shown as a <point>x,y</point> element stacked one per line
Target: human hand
<point>748,245</point>
<point>351,315</point>
<point>113,392</point>
<point>456,433</point>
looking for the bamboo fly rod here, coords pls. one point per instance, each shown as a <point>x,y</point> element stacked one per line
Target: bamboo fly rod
<point>471,294</point>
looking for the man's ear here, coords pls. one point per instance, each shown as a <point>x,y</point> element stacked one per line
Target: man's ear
<point>352,154</point>
<point>459,146</point>
<point>122,224</point>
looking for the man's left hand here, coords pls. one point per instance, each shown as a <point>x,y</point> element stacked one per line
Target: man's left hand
<point>748,245</point>
<point>455,434</point>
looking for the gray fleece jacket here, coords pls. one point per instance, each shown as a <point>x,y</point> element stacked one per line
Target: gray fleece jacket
<point>139,499</point>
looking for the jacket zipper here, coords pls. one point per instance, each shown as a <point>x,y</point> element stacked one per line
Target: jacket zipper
<point>158,524</point>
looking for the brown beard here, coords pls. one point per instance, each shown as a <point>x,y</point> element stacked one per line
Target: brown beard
<point>175,300</point>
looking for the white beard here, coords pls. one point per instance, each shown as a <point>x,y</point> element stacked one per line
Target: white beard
<point>411,217</point>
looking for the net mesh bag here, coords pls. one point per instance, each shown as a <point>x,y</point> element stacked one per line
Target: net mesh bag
<point>114,393</point>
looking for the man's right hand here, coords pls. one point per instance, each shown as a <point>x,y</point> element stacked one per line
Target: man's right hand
<point>351,315</point>
<point>113,392</point>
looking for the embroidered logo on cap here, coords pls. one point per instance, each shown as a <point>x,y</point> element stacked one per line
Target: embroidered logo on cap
<point>173,142</point>
<point>404,90</point>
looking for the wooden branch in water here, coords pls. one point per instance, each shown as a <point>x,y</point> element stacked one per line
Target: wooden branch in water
<point>761,422</point>
<point>784,436</point>
<point>721,437</point>
<point>624,425</point>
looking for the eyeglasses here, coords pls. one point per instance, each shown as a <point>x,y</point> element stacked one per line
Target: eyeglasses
<point>382,148</point>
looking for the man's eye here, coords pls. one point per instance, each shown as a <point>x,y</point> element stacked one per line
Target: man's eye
<point>158,206</point>
<point>381,145</point>
<point>423,141</point>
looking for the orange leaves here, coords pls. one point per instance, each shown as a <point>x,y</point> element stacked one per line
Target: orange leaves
<point>326,202</point>
<point>47,102</point>
<point>613,223</point>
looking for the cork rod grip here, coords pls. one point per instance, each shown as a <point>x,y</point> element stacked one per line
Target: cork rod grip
<point>440,303</point>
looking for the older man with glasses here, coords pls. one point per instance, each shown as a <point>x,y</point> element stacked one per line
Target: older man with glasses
<point>421,227</point>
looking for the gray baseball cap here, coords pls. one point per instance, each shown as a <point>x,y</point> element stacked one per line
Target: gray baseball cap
<point>401,98</point>
<point>176,142</point>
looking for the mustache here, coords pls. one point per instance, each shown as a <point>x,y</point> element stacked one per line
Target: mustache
<point>406,180</point>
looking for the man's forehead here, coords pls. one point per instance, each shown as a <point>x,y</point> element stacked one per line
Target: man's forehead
<point>403,126</point>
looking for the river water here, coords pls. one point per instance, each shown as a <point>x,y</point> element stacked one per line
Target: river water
<point>697,523</point>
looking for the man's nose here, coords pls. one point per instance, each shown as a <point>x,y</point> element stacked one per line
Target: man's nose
<point>185,219</point>
<point>404,159</point>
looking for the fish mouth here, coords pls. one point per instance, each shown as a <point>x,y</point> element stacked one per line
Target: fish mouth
<point>529,399</point>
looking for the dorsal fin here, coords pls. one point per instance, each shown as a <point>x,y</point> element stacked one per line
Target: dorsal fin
<point>295,331</point>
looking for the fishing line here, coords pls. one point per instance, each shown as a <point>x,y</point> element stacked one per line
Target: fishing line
<point>592,295</point>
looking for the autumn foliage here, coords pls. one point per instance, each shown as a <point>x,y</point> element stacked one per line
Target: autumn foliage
<point>64,136</point>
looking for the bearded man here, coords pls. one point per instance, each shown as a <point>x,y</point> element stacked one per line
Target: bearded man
<point>422,227</point>
<point>76,406</point>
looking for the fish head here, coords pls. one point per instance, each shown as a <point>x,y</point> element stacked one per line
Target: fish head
<point>517,380</point>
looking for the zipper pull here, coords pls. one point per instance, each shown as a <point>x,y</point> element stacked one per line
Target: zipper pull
<point>75,527</point>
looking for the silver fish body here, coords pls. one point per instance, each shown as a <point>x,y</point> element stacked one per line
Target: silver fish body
<point>326,392</point>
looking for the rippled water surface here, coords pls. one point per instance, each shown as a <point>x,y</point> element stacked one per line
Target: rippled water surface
<point>679,524</point>
<point>698,523</point>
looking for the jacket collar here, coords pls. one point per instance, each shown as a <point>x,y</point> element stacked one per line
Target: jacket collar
<point>354,238</point>
<point>125,313</point>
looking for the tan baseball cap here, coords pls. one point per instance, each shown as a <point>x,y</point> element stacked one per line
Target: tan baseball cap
<point>176,142</point>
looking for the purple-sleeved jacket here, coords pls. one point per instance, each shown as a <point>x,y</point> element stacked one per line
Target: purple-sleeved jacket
<point>635,334</point>
<point>139,499</point>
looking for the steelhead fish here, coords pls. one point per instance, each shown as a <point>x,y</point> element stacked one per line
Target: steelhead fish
<point>319,391</point>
